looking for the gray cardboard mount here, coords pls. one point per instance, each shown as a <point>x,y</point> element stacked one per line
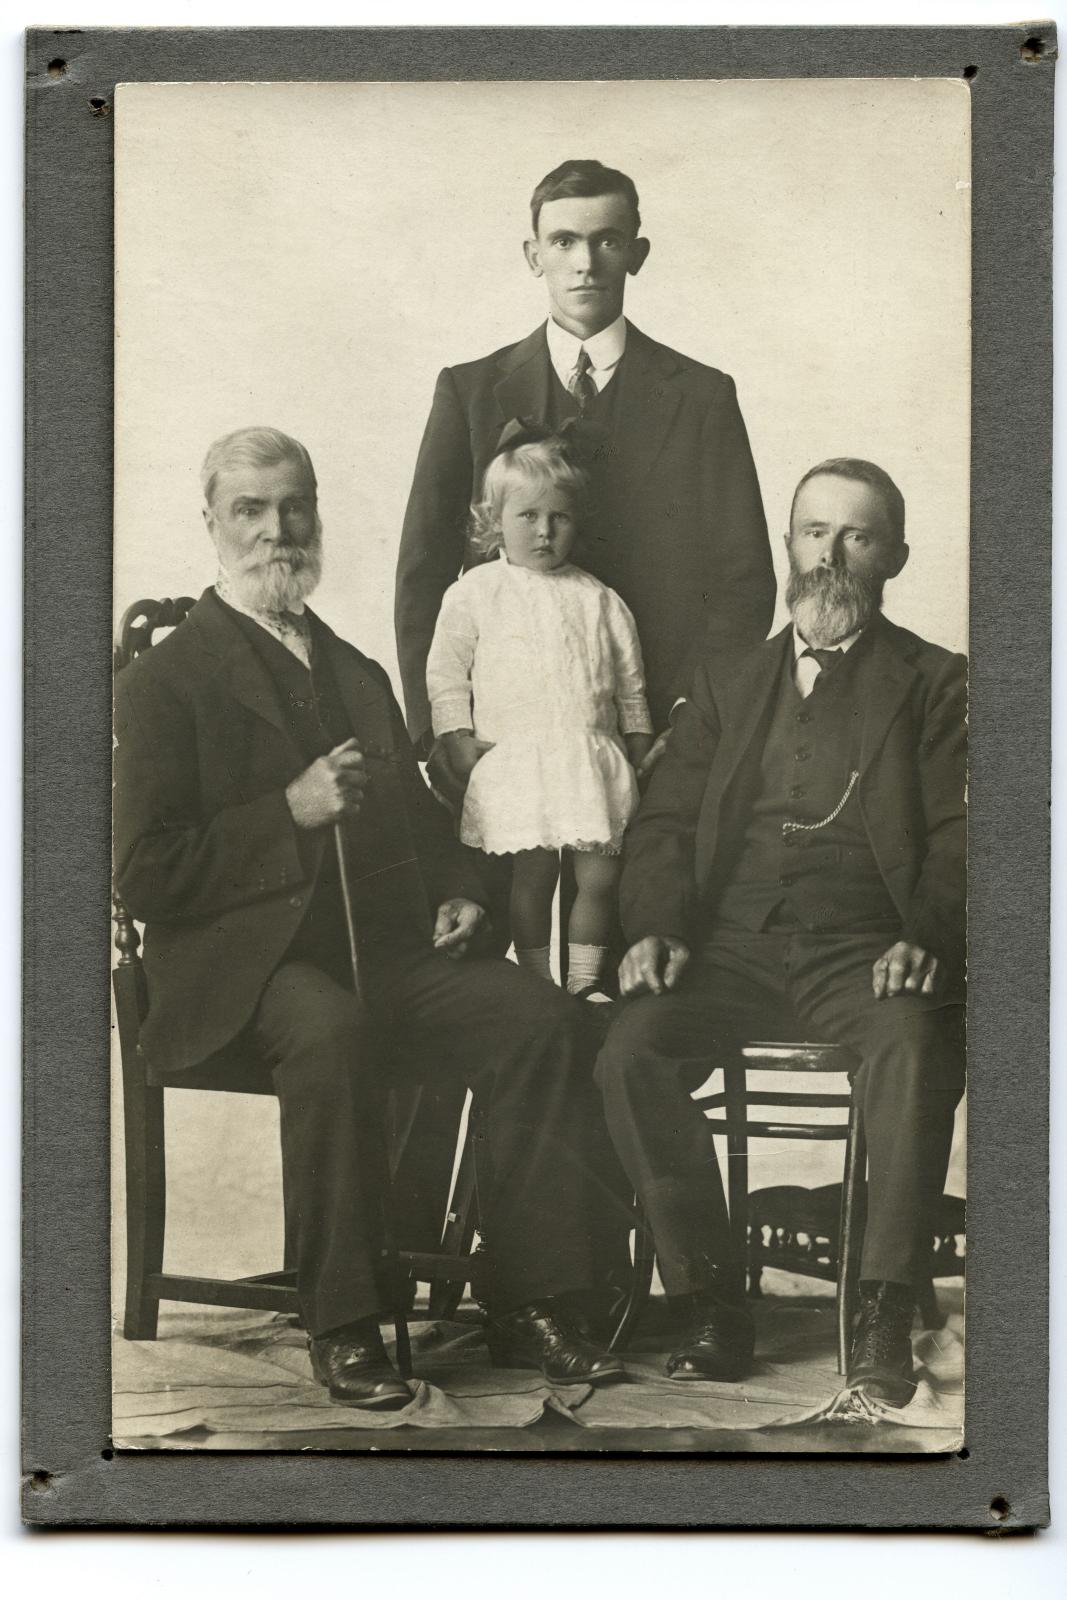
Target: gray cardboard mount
<point>71,1477</point>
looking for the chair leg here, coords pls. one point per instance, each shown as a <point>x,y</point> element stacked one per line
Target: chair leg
<point>735,1093</point>
<point>403,1344</point>
<point>640,1280</point>
<point>849,1236</point>
<point>926,1300</point>
<point>458,1233</point>
<point>146,1200</point>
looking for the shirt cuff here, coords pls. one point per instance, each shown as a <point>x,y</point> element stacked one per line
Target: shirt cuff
<point>451,712</point>
<point>634,716</point>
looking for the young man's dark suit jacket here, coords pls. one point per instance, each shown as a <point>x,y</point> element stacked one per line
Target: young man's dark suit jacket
<point>681,534</point>
<point>688,831</point>
<point>206,851</point>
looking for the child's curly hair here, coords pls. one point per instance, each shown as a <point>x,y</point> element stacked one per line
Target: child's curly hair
<point>538,461</point>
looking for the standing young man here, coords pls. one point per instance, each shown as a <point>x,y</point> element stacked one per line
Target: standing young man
<point>678,530</point>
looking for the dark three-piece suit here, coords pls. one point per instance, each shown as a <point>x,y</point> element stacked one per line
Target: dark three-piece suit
<point>246,950</point>
<point>789,842</point>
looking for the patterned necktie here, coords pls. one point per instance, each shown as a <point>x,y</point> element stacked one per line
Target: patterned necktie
<point>582,386</point>
<point>291,630</point>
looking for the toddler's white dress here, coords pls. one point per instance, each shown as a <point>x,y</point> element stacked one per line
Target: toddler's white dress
<point>553,663</point>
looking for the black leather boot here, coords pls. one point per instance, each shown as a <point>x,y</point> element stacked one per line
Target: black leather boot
<point>720,1345</point>
<point>881,1365</point>
<point>542,1336</point>
<point>351,1362</point>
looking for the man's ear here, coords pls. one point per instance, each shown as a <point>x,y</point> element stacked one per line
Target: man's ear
<point>638,256</point>
<point>209,523</point>
<point>900,559</point>
<point>531,250</point>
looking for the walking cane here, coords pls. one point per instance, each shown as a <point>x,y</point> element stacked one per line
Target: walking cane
<point>403,1343</point>
<point>350,921</point>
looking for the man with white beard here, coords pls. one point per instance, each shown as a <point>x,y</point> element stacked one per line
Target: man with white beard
<point>254,749</point>
<point>797,868</point>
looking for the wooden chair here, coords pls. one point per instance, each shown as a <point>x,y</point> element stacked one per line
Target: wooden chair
<point>818,1232</point>
<point>733,1100</point>
<point>234,1071</point>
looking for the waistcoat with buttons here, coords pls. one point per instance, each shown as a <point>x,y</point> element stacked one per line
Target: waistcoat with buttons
<point>823,878</point>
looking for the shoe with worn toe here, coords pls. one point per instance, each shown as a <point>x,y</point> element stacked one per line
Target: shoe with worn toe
<point>720,1345</point>
<point>543,1336</point>
<point>881,1365</point>
<point>352,1364</point>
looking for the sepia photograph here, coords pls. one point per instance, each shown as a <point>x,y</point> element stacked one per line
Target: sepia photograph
<point>541,528</point>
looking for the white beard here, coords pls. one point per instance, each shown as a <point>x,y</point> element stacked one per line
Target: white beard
<point>829,605</point>
<point>281,584</point>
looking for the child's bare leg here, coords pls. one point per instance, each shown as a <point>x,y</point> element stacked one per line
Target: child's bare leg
<point>533,883</point>
<point>592,918</point>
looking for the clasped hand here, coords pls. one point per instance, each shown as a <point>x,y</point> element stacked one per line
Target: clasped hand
<point>331,788</point>
<point>456,924</point>
<point>905,969</point>
<point>652,966</point>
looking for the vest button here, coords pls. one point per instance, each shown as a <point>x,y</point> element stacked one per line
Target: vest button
<point>803,716</point>
<point>786,881</point>
<point>296,902</point>
<point>796,792</point>
<point>802,755</point>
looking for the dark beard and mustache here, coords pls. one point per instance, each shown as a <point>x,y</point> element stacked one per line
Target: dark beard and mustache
<point>284,580</point>
<point>829,604</point>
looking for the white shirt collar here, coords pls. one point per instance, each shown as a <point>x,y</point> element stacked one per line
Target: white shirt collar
<point>605,350</point>
<point>800,644</point>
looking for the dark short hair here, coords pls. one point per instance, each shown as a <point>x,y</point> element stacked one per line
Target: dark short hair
<point>584,179</point>
<point>862,472</point>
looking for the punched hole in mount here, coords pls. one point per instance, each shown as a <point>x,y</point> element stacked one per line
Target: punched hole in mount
<point>999,1507</point>
<point>57,68</point>
<point>98,106</point>
<point>1032,48</point>
<point>970,72</point>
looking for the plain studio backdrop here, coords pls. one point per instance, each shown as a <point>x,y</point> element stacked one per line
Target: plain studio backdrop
<point>309,256</point>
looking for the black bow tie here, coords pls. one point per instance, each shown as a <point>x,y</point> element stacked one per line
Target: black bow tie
<point>825,658</point>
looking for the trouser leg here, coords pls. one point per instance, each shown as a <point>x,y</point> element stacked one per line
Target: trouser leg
<point>526,1051</point>
<point>658,1050</point>
<point>912,1050</point>
<point>313,1036</point>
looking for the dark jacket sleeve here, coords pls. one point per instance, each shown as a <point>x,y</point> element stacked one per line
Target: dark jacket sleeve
<point>431,544</point>
<point>657,893</point>
<point>449,869</point>
<point>936,915</point>
<point>740,606</point>
<point>172,863</point>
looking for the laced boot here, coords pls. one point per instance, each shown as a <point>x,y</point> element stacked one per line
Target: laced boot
<point>881,1366</point>
<point>721,1343</point>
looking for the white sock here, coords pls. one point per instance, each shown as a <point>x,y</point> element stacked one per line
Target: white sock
<point>536,960</point>
<point>585,964</point>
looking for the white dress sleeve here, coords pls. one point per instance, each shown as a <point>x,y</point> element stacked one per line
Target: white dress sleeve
<point>448,665</point>
<point>627,668</point>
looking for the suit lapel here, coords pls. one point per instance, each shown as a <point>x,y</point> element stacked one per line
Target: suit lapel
<point>239,667</point>
<point>883,682</point>
<point>523,388</point>
<point>648,403</point>
<point>748,702</point>
<point>364,699</point>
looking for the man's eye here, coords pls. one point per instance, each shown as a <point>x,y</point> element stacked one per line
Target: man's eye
<point>564,244</point>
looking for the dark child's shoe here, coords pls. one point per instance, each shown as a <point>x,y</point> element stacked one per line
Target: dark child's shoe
<point>352,1364</point>
<point>720,1346</point>
<point>543,1336</point>
<point>881,1365</point>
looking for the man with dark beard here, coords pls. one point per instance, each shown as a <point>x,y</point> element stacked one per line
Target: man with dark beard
<point>256,751</point>
<point>798,864</point>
